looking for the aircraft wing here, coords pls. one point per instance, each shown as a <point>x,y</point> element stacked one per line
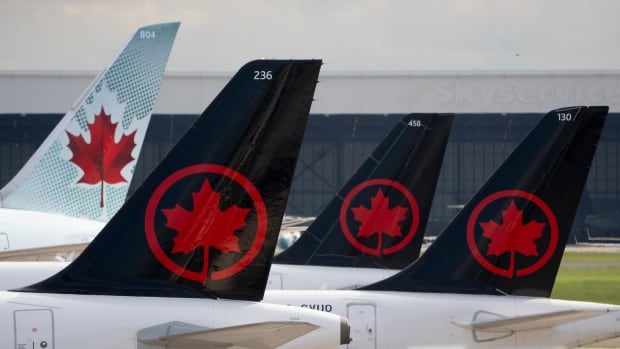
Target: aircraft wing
<point>531,322</point>
<point>264,335</point>
<point>64,253</point>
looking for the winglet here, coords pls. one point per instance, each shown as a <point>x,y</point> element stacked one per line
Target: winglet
<point>403,172</point>
<point>510,237</point>
<point>78,174</point>
<point>205,222</point>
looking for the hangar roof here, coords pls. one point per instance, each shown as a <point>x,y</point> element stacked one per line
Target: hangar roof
<point>347,92</point>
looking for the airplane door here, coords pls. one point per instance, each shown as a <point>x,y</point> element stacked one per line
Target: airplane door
<point>274,282</point>
<point>34,329</point>
<point>362,321</point>
<point>4,241</point>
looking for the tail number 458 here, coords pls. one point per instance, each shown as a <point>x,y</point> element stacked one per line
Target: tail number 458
<point>414,123</point>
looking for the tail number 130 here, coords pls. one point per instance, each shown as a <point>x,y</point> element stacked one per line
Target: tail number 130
<point>566,117</point>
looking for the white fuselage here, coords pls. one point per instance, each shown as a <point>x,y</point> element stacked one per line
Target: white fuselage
<point>114,322</point>
<point>413,320</point>
<point>428,320</point>
<point>281,277</point>
<point>21,229</point>
<point>309,277</point>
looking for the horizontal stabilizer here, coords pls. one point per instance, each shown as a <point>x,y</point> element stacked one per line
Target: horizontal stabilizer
<point>531,322</point>
<point>261,335</point>
<point>58,253</point>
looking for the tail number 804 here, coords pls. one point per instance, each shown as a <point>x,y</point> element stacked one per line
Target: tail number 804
<point>147,34</point>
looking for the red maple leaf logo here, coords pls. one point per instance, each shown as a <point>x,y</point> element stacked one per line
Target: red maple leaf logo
<point>206,225</point>
<point>206,215</point>
<point>379,218</point>
<point>102,159</point>
<point>512,235</point>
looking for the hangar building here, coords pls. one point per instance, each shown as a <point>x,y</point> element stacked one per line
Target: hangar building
<point>351,114</point>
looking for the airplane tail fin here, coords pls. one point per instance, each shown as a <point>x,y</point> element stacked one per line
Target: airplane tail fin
<point>378,218</point>
<point>85,165</point>
<point>510,237</point>
<point>205,223</point>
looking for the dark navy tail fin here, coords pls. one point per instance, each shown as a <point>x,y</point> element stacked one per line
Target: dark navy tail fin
<point>206,221</point>
<point>378,218</point>
<point>510,236</point>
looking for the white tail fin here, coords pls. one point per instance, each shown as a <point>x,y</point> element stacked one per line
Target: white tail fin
<point>84,167</point>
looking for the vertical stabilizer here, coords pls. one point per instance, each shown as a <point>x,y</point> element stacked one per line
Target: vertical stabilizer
<point>510,237</point>
<point>84,167</point>
<point>378,218</point>
<point>205,222</point>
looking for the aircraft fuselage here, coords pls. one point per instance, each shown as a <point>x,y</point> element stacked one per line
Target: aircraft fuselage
<point>49,321</point>
<point>21,229</point>
<point>426,320</point>
<point>281,276</point>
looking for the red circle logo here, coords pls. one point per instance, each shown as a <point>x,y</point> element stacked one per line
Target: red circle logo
<point>378,218</point>
<point>211,227</point>
<point>507,231</point>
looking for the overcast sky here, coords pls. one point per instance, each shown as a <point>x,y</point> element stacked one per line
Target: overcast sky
<point>349,35</point>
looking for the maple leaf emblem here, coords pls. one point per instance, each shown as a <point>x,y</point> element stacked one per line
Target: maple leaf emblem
<point>512,235</point>
<point>206,225</point>
<point>379,218</point>
<point>102,159</point>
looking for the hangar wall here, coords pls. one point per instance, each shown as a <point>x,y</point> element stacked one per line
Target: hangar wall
<point>334,147</point>
<point>351,114</point>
